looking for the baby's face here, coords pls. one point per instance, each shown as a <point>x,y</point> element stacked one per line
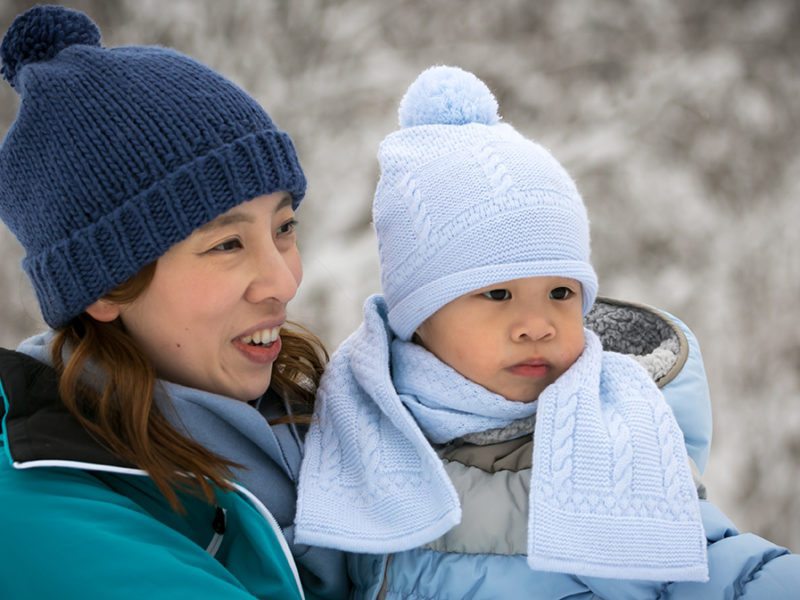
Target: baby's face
<point>513,338</point>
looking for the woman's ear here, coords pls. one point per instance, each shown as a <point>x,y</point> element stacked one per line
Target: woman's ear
<point>104,311</point>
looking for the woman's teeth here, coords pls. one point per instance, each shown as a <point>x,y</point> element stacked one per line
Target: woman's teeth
<point>263,337</point>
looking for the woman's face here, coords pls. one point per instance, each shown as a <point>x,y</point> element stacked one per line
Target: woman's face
<point>211,315</point>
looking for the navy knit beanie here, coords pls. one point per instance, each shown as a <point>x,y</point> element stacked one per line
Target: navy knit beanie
<point>117,154</point>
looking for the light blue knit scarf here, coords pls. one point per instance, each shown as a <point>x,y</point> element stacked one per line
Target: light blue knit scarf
<point>445,404</point>
<point>611,489</point>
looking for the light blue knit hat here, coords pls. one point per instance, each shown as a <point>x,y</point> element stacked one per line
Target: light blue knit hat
<point>465,201</point>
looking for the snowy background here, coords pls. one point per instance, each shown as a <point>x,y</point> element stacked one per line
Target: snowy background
<point>679,120</point>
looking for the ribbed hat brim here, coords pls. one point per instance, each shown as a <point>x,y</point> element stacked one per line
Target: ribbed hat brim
<point>96,259</point>
<point>411,311</point>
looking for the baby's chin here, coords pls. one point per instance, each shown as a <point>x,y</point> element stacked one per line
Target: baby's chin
<point>523,400</point>
<point>522,396</point>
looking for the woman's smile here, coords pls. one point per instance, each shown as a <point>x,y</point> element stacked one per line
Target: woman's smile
<point>262,348</point>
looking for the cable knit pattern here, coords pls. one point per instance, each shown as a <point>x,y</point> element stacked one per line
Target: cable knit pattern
<point>626,519</point>
<point>361,456</point>
<point>464,201</point>
<point>620,437</point>
<point>611,492</point>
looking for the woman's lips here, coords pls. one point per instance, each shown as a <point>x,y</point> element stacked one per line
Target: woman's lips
<point>262,355</point>
<point>535,369</point>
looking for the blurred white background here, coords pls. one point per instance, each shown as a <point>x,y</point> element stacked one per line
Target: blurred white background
<point>678,119</point>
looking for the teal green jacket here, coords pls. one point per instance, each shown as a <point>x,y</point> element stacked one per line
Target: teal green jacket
<point>77,522</point>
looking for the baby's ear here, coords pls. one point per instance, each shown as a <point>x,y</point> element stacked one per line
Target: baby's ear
<point>103,311</point>
<point>416,338</point>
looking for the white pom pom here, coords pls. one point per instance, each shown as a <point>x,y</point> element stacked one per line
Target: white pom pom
<point>447,96</point>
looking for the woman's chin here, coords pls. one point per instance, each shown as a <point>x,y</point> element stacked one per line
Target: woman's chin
<point>248,393</point>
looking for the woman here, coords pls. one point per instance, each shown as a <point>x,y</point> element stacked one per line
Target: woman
<point>151,437</point>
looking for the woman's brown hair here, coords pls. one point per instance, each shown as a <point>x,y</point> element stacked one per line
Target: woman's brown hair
<point>124,416</point>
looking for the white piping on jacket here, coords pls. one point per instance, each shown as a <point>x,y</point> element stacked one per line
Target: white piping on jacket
<point>257,504</point>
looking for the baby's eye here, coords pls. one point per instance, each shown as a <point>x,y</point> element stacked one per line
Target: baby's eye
<point>561,293</point>
<point>499,294</point>
<point>227,245</point>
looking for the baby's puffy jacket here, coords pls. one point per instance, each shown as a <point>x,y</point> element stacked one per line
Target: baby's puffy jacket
<point>484,557</point>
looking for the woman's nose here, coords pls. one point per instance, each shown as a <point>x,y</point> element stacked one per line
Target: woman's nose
<point>276,276</point>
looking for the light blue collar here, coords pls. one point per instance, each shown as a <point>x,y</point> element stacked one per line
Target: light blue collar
<point>230,428</point>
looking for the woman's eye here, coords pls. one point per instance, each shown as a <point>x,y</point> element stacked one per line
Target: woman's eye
<point>561,293</point>
<point>497,295</point>
<point>288,227</point>
<point>227,245</point>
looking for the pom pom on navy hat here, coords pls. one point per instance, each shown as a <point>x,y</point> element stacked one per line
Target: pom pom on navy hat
<point>41,33</point>
<point>447,96</point>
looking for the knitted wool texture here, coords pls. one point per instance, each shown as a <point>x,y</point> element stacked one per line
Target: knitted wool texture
<point>467,408</point>
<point>611,491</point>
<point>117,154</point>
<point>464,201</point>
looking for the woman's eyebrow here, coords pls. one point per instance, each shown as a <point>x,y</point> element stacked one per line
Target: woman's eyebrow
<point>285,201</point>
<point>240,217</point>
<point>229,219</point>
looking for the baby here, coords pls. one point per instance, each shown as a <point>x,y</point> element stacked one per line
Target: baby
<point>472,428</point>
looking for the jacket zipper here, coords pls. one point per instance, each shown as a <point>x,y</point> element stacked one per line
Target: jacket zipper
<point>218,525</point>
<point>385,583</point>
